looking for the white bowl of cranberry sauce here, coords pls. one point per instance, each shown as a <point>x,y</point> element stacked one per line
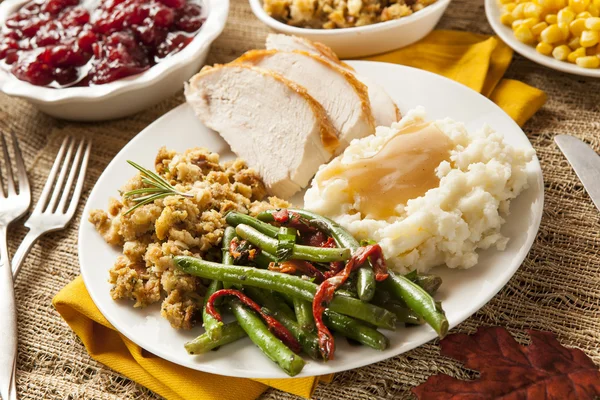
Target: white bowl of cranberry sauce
<point>92,60</point>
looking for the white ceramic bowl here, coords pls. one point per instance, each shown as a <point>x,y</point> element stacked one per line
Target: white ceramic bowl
<point>125,96</point>
<point>493,12</point>
<point>364,40</point>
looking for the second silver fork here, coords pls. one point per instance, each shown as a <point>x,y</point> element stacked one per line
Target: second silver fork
<point>58,201</point>
<point>14,202</point>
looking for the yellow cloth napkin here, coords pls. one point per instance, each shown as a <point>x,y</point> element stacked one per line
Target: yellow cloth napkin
<point>169,380</point>
<point>474,60</point>
<point>477,61</point>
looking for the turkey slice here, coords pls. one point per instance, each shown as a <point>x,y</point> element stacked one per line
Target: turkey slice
<point>385,111</point>
<point>344,97</point>
<point>269,121</point>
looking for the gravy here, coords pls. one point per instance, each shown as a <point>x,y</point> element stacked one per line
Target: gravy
<point>403,169</point>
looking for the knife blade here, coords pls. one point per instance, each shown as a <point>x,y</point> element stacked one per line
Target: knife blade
<point>586,163</point>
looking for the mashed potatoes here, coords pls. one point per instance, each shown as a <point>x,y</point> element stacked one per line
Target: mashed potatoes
<point>446,223</point>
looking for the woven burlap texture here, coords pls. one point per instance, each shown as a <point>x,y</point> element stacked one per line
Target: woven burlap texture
<point>556,289</point>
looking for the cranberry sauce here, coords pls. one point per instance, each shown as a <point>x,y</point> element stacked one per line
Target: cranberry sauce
<point>60,43</point>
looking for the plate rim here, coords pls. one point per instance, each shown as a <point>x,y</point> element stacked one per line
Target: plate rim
<point>426,336</point>
<point>492,12</point>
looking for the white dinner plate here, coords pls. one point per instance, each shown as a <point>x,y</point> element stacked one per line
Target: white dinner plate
<point>463,291</point>
<point>493,11</point>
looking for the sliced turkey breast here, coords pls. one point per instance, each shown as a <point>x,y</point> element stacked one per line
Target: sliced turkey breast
<point>385,111</point>
<point>345,98</point>
<point>269,121</point>
<point>279,41</point>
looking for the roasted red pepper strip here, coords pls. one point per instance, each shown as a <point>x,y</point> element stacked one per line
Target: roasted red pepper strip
<point>309,235</point>
<point>293,266</point>
<point>326,291</point>
<point>274,326</point>
<point>378,263</point>
<point>281,216</point>
<point>330,243</point>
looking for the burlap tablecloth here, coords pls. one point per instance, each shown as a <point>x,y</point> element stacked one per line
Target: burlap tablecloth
<point>556,289</point>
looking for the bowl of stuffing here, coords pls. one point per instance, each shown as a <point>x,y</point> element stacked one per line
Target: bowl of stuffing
<point>353,28</point>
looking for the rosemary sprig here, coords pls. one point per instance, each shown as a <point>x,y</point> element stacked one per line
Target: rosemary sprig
<point>158,188</point>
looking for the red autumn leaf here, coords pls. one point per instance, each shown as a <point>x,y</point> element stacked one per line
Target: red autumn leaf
<point>544,370</point>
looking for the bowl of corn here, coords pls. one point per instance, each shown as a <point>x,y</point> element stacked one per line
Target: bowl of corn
<point>559,34</point>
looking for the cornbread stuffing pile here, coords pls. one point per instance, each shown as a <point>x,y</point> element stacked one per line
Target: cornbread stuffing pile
<point>329,14</point>
<point>177,225</point>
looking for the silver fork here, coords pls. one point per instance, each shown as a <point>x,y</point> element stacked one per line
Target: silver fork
<point>54,210</point>
<point>13,204</point>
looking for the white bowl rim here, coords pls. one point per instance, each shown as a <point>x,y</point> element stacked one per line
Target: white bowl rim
<point>261,14</point>
<point>218,11</point>
<point>492,10</point>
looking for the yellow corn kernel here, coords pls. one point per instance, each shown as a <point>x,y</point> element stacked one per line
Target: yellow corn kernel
<point>596,3</point>
<point>584,15</point>
<point>507,19</point>
<point>518,12</point>
<point>589,38</point>
<point>566,15</point>
<point>577,27</point>
<point>517,23</point>
<point>580,52</point>
<point>561,4</point>
<point>528,22</point>
<point>552,5</point>
<point>561,52</point>
<point>532,10</point>
<point>574,43</point>
<point>594,10</point>
<point>551,19</point>
<point>588,62</point>
<point>544,48</point>
<point>564,30</point>
<point>509,7</point>
<point>579,5</point>
<point>523,34</point>
<point>593,23</point>
<point>538,28</point>
<point>551,34</point>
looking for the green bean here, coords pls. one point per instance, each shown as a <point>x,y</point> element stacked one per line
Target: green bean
<point>285,315</point>
<point>288,284</point>
<point>431,283</point>
<point>234,218</point>
<point>304,314</point>
<point>229,333</point>
<point>308,253</point>
<point>356,330</point>
<point>365,284</point>
<point>272,347</point>
<point>342,237</point>
<point>212,325</point>
<point>412,275</point>
<point>384,298</point>
<point>228,236</point>
<point>263,259</point>
<point>404,314</point>
<point>418,300</point>
<point>347,293</point>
